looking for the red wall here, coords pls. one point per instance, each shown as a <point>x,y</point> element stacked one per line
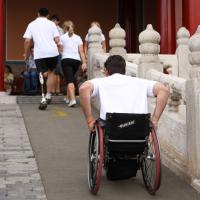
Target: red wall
<point>81,12</point>
<point>191,14</point>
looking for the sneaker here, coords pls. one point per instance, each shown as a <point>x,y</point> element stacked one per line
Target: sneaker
<point>48,100</point>
<point>72,103</point>
<point>66,100</point>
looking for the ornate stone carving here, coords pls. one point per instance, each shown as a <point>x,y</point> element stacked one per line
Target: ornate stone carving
<point>117,41</point>
<point>194,56</point>
<point>149,48</point>
<point>94,37</point>
<point>182,52</point>
<point>149,45</point>
<point>174,100</point>
<point>193,108</point>
<point>182,36</point>
<point>94,46</point>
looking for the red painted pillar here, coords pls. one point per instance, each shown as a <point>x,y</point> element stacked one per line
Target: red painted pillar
<point>166,25</point>
<point>191,14</point>
<point>2,39</point>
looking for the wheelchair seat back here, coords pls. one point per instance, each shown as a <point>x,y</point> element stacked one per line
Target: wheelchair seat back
<point>126,133</point>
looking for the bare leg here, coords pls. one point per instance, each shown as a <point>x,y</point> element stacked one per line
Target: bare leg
<point>50,82</point>
<point>71,91</point>
<point>57,84</point>
<point>71,95</point>
<point>53,90</point>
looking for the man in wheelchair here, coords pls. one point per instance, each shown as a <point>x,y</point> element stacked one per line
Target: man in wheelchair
<point>119,93</point>
<point>124,107</point>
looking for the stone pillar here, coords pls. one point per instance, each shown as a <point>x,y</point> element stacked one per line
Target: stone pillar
<point>117,41</point>
<point>94,46</point>
<point>166,25</point>
<point>149,48</point>
<point>193,110</point>
<point>182,52</point>
<point>191,14</point>
<point>2,44</point>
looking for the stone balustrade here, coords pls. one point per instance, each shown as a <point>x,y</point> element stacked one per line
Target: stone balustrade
<point>178,131</point>
<point>193,109</point>
<point>98,65</point>
<point>175,83</point>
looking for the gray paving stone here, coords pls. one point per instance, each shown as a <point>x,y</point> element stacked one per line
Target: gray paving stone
<point>19,176</point>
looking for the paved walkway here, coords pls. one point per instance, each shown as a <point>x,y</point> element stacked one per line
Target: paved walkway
<point>59,139</point>
<point>19,177</point>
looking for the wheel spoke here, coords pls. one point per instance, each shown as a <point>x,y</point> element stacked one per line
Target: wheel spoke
<point>95,160</point>
<point>151,164</point>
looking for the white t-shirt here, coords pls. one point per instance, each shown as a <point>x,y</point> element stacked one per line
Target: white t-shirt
<point>60,30</point>
<point>70,46</point>
<point>122,94</point>
<point>43,32</point>
<point>102,37</point>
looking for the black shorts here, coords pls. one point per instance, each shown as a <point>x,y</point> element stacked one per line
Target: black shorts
<point>45,64</point>
<point>70,67</point>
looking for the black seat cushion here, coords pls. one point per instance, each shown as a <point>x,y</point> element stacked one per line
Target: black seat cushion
<point>121,169</point>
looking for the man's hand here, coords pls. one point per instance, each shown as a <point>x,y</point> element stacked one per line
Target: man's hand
<point>91,125</point>
<point>60,48</point>
<point>25,57</point>
<point>84,67</point>
<point>155,123</point>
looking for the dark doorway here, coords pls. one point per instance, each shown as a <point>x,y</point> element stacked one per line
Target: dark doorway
<point>133,16</point>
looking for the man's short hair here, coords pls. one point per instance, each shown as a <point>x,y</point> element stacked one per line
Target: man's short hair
<point>43,12</point>
<point>115,64</point>
<point>55,18</point>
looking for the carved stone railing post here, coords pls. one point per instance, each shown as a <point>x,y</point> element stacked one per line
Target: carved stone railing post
<point>149,48</point>
<point>193,110</point>
<point>94,46</point>
<point>182,52</point>
<point>117,41</point>
<point>174,100</point>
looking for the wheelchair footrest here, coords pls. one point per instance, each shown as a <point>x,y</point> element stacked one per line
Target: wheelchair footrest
<point>121,169</point>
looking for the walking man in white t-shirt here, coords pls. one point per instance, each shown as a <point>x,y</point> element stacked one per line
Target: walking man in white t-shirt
<point>45,37</point>
<point>118,93</point>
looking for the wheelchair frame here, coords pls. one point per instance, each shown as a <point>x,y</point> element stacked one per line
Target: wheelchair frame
<point>149,160</point>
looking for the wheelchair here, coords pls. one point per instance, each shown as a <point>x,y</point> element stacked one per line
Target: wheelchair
<point>124,144</point>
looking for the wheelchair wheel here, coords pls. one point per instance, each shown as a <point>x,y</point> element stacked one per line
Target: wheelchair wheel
<point>95,159</point>
<point>151,164</point>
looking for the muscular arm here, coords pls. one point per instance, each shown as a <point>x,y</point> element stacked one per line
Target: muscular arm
<point>85,92</point>
<point>27,46</point>
<point>162,93</point>
<point>58,43</point>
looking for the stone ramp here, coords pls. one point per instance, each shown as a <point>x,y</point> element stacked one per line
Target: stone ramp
<point>19,176</point>
<point>59,137</point>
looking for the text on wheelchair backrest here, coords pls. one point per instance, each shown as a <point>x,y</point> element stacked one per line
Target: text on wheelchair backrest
<point>124,125</point>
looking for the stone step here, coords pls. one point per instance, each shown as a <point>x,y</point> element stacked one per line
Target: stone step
<point>37,98</point>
